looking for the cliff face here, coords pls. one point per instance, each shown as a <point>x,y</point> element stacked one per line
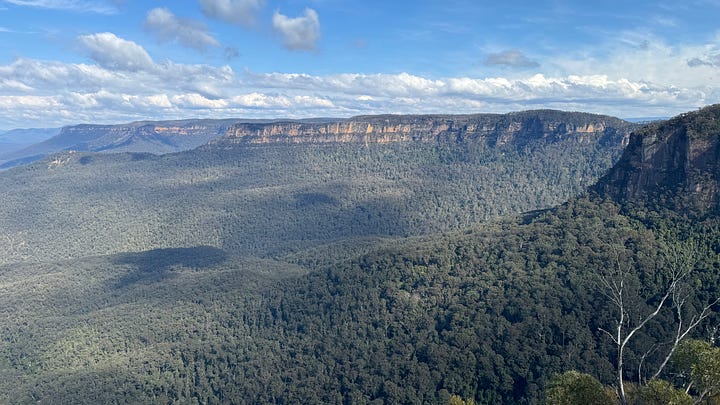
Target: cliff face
<point>494,129</point>
<point>514,130</point>
<point>677,161</point>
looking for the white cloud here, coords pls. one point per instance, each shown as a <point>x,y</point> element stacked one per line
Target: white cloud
<point>11,85</point>
<point>241,12</point>
<point>376,86</point>
<point>160,100</point>
<point>299,33</point>
<point>398,85</point>
<point>195,100</point>
<point>83,6</point>
<point>116,53</point>
<point>260,100</point>
<point>167,27</point>
<point>21,102</point>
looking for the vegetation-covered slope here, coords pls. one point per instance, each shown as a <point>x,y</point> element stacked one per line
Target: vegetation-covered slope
<point>271,198</point>
<point>488,313</point>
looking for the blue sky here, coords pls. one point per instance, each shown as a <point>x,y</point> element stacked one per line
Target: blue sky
<point>107,61</point>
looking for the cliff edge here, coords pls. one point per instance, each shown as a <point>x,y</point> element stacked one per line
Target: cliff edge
<point>493,129</point>
<point>674,162</point>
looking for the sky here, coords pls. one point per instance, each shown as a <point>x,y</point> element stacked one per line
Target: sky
<point>65,62</point>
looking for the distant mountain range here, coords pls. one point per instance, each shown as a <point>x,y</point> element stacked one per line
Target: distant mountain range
<point>150,137</point>
<point>22,146</point>
<point>16,139</point>
<point>159,137</point>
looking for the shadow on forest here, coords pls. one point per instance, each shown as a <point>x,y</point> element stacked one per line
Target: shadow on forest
<point>159,264</point>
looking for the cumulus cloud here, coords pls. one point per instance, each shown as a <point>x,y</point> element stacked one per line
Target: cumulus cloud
<point>167,27</point>
<point>116,53</point>
<point>83,6</point>
<point>299,33</point>
<point>241,12</point>
<point>101,94</point>
<point>512,58</point>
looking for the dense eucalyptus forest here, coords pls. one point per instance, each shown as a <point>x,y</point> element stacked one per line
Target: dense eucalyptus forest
<point>446,272</point>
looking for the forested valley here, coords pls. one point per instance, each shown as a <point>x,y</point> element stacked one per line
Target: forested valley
<point>400,273</point>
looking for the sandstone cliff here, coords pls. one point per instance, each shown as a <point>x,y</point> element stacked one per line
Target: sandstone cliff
<point>676,162</point>
<point>493,129</point>
<point>514,129</point>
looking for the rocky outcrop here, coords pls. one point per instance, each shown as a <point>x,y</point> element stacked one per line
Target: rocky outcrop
<point>493,129</point>
<point>676,162</point>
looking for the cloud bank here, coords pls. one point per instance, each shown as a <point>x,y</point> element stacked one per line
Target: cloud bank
<point>124,83</point>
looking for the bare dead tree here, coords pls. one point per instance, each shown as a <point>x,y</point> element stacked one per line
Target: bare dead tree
<point>680,260</point>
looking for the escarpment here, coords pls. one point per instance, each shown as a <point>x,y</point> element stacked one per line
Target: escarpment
<point>494,129</point>
<point>675,162</point>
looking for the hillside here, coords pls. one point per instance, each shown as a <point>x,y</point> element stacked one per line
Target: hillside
<point>267,199</point>
<point>341,309</point>
<point>488,314</point>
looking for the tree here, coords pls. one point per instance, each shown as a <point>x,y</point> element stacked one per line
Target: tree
<point>620,287</point>
<point>698,365</point>
<point>572,387</point>
<point>458,400</point>
<point>660,392</point>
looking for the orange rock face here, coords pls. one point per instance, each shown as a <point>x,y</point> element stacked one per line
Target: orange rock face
<point>494,129</point>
